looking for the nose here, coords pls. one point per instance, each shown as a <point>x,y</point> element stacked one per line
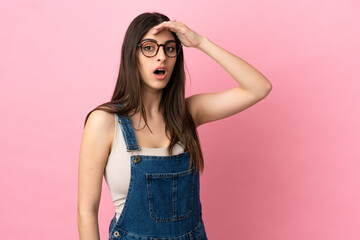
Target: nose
<point>161,56</point>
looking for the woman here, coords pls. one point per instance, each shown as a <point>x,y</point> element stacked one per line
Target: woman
<point>144,141</point>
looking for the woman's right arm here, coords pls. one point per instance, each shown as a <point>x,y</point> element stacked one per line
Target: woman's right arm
<point>94,150</point>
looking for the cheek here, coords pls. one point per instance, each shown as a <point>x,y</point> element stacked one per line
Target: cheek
<point>141,71</point>
<point>142,66</point>
<point>173,65</point>
<point>141,62</point>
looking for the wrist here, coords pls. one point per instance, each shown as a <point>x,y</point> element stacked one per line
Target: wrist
<point>202,43</point>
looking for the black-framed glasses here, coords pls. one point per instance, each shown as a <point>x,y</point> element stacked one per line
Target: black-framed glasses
<point>150,47</point>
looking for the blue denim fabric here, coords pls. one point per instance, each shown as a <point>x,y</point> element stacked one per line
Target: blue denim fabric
<point>163,200</point>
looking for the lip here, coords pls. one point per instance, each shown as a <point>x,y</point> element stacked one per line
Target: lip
<point>160,67</point>
<point>160,77</point>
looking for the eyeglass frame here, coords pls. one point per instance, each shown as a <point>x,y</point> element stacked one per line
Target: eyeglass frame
<point>158,47</point>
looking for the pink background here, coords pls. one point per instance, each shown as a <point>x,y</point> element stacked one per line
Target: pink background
<point>286,168</point>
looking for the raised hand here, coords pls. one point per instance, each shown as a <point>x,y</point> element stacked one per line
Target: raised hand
<point>188,37</point>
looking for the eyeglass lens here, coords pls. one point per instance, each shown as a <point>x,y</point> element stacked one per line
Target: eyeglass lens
<point>149,49</point>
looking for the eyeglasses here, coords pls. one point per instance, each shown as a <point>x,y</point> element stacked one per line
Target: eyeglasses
<point>150,47</point>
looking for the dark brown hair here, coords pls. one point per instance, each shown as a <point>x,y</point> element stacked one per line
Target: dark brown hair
<point>178,121</point>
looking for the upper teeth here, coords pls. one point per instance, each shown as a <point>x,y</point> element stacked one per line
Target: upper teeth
<point>160,70</point>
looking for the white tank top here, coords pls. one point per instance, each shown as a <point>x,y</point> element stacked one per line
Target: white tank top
<point>117,170</point>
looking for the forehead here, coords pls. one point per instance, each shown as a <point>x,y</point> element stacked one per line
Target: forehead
<point>160,37</point>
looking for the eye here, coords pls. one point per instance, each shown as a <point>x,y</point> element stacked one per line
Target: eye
<point>148,47</point>
<point>170,49</point>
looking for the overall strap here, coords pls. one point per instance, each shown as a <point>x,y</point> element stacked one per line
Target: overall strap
<point>128,133</point>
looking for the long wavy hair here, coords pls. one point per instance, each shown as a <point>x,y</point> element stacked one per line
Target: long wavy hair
<point>127,99</point>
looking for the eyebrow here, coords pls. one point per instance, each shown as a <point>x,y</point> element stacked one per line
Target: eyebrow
<point>153,40</point>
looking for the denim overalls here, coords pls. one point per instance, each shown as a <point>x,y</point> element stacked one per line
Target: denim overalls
<point>163,200</point>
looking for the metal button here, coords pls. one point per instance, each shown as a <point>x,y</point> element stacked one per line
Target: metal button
<point>117,234</point>
<point>137,159</point>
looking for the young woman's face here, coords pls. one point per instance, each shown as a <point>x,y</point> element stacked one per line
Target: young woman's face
<point>155,80</point>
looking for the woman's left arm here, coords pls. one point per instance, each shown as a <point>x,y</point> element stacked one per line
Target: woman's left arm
<point>207,107</point>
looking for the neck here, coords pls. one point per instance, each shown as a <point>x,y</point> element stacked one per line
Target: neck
<point>151,101</point>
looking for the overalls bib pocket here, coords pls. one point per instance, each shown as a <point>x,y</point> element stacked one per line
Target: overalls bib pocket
<point>170,195</point>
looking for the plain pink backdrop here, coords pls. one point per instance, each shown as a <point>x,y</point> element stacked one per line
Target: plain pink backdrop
<point>286,168</point>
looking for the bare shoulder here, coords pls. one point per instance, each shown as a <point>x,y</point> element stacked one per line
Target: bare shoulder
<point>99,128</point>
<point>101,119</point>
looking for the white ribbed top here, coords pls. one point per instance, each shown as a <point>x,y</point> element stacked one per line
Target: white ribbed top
<point>117,170</point>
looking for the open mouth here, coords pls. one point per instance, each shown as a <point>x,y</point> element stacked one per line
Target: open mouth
<point>159,72</point>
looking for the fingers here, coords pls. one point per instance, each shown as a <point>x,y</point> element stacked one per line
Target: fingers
<point>160,27</point>
<point>168,25</point>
